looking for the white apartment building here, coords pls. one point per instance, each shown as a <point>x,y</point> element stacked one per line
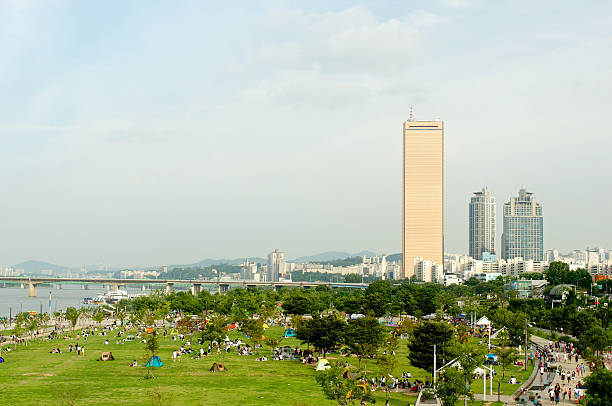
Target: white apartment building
<point>139,274</point>
<point>8,272</point>
<point>517,266</point>
<point>451,279</point>
<point>428,271</point>
<point>486,276</point>
<point>276,266</point>
<point>248,271</point>
<point>369,266</point>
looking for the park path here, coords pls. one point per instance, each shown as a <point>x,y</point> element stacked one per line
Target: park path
<point>568,366</point>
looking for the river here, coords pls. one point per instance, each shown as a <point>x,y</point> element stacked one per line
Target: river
<point>14,299</point>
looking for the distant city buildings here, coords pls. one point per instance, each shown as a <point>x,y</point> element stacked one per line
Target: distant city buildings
<point>376,266</point>
<point>423,193</point>
<point>467,267</point>
<point>523,234</point>
<point>138,274</point>
<point>249,271</point>
<point>276,266</point>
<point>427,271</point>
<point>9,272</point>
<point>482,224</point>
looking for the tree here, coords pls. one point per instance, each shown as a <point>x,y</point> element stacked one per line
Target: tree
<point>98,316</point>
<point>254,329</point>
<point>387,362</point>
<point>557,273</point>
<point>450,386</point>
<point>152,346</point>
<point>344,391</point>
<point>273,342</point>
<point>469,357</point>
<point>297,304</point>
<point>363,337</point>
<point>598,388</point>
<point>72,315</point>
<point>325,333</point>
<point>21,325</point>
<point>507,356</point>
<point>214,330</point>
<point>421,344</point>
<point>596,338</point>
<point>353,278</point>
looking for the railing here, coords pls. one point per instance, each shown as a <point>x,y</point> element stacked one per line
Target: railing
<point>429,401</point>
<point>529,383</point>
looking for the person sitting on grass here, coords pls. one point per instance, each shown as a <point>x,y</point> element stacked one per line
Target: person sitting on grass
<point>134,363</point>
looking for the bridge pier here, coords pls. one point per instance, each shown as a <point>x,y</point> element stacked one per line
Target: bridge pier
<point>196,288</point>
<point>31,290</point>
<point>223,287</point>
<point>85,287</point>
<point>144,287</point>
<point>169,286</point>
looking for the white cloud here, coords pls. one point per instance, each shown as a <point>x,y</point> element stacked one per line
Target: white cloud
<point>458,3</point>
<point>349,41</point>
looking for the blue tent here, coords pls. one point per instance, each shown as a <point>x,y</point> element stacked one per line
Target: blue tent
<point>289,333</point>
<point>155,362</point>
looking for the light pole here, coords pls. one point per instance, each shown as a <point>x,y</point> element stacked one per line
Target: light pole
<point>434,371</point>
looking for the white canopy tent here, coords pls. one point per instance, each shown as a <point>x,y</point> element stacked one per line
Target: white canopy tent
<point>483,321</point>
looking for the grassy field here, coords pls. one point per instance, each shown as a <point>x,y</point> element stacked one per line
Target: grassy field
<point>31,375</point>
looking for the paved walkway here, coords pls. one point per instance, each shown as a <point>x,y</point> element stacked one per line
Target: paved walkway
<point>568,366</point>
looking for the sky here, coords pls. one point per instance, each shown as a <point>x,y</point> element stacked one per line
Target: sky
<point>161,132</point>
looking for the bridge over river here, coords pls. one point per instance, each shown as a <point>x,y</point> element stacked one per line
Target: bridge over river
<point>195,285</point>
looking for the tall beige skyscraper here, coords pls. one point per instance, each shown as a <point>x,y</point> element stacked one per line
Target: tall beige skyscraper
<point>423,219</point>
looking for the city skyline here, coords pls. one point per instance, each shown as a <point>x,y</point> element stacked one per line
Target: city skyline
<point>190,131</point>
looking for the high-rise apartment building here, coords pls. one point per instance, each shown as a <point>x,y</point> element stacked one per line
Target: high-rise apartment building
<point>423,194</point>
<point>523,228</point>
<point>482,224</point>
<point>276,266</point>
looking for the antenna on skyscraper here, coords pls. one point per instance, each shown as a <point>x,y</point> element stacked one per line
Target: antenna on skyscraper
<point>411,117</point>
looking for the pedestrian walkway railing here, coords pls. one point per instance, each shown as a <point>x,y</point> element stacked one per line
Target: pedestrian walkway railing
<point>522,392</point>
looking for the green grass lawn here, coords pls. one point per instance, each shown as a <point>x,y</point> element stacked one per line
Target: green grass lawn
<point>31,375</point>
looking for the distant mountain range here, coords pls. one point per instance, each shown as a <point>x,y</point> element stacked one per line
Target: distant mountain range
<point>35,267</point>
<point>212,261</point>
<point>332,255</point>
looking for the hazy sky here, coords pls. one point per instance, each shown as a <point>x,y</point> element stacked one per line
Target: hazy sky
<point>151,132</point>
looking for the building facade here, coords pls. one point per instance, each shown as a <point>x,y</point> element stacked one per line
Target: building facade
<point>482,224</point>
<point>423,193</point>
<point>276,266</point>
<point>523,234</point>
<point>428,271</point>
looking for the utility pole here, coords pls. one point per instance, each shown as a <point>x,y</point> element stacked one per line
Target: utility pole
<point>525,343</point>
